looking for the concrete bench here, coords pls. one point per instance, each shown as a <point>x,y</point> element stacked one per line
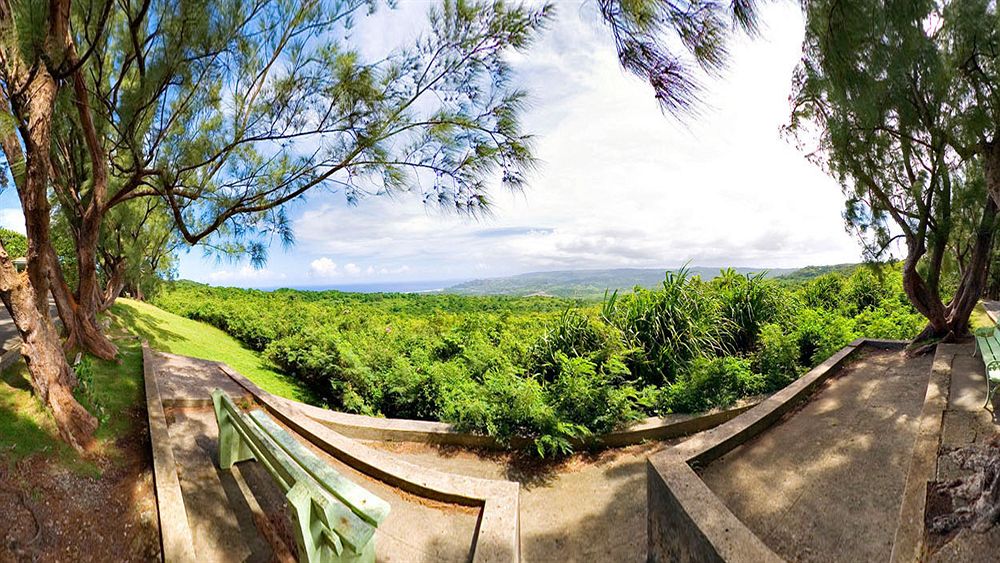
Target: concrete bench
<point>988,344</point>
<point>335,519</point>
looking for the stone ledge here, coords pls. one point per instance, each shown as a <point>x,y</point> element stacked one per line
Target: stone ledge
<point>404,430</point>
<point>498,528</point>
<point>175,534</point>
<point>908,543</point>
<point>686,520</point>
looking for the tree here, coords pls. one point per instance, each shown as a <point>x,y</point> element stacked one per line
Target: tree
<point>663,41</point>
<point>34,52</point>
<point>225,123</point>
<point>875,86</point>
<point>137,249</point>
<point>224,111</point>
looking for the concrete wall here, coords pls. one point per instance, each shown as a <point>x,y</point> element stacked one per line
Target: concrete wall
<point>404,430</point>
<point>686,520</point>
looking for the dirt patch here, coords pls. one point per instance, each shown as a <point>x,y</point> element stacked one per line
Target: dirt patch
<point>969,502</point>
<point>54,514</point>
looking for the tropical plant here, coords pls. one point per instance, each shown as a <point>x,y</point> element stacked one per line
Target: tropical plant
<point>669,327</point>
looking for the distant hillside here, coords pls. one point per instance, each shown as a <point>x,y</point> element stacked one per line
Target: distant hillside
<point>586,284</point>
<point>810,272</point>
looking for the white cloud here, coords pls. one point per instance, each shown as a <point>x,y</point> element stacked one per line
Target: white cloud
<point>323,268</point>
<point>352,269</point>
<point>620,184</point>
<point>247,275</point>
<point>12,218</point>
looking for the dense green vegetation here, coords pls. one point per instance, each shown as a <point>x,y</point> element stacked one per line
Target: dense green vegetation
<point>553,369</point>
<point>588,284</point>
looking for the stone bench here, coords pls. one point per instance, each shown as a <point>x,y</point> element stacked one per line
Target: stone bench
<point>335,519</point>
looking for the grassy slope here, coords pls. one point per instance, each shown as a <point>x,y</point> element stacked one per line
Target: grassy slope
<point>111,391</point>
<point>174,334</point>
<point>979,318</point>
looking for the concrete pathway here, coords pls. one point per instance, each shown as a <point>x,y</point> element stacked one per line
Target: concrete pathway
<point>826,482</point>
<point>241,515</point>
<point>967,423</point>
<point>591,508</point>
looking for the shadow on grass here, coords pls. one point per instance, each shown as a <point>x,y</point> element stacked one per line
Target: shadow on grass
<point>174,334</point>
<point>26,427</point>
<point>146,326</point>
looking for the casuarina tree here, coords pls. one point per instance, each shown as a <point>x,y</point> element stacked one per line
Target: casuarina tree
<point>881,104</point>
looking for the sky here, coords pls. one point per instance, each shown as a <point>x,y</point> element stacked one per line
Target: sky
<point>620,184</point>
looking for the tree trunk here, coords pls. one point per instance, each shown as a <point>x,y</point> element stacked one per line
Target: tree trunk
<point>51,376</point>
<point>82,328</point>
<point>925,301</point>
<point>953,321</point>
<point>976,272</point>
<point>991,166</point>
<point>33,91</point>
<point>116,283</point>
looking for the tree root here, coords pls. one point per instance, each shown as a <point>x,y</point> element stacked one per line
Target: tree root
<point>976,498</point>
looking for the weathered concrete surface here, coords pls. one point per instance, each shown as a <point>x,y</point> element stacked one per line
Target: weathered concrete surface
<point>685,520</point>
<point>416,529</point>
<point>188,382</point>
<point>909,540</point>
<point>221,522</point>
<point>967,423</point>
<point>825,483</point>
<point>225,529</point>
<point>496,537</point>
<point>175,533</point>
<point>590,508</point>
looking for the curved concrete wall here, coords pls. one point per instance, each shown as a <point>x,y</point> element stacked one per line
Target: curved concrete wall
<point>686,520</point>
<point>498,529</point>
<point>404,430</point>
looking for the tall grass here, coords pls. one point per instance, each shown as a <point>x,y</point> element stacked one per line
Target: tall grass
<point>668,327</point>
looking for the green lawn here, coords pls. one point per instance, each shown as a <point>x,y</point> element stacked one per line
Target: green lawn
<point>168,332</point>
<point>111,390</point>
<point>979,318</point>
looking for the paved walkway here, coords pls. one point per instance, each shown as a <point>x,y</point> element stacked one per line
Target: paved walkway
<point>242,516</point>
<point>825,483</point>
<point>592,508</point>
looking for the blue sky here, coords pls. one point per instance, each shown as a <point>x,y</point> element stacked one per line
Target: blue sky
<point>620,184</point>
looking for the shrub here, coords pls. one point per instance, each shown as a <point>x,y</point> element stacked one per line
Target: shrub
<point>864,290</point>
<point>747,302</point>
<point>890,320</point>
<point>591,396</point>
<point>506,406</point>
<point>711,383</point>
<point>821,333</point>
<point>824,292</point>
<point>575,335</point>
<point>777,357</point>
<point>327,365</point>
<point>14,243</point>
